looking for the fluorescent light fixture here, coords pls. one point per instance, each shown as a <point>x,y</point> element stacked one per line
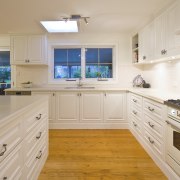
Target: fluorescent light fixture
<point>60,26</point>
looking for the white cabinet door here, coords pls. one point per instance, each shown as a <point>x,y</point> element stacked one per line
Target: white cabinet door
<point>28,49</point>
<point>147,43</point>
<point>52,103</point>
<point>91,106</point>
<point>67,107</point>
<point>18,50</point>
<point>115,107</point>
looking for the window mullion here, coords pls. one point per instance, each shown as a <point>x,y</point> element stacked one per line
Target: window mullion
<point>83,63</point>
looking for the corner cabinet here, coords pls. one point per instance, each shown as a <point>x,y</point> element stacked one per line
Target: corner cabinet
<point>30,49</point>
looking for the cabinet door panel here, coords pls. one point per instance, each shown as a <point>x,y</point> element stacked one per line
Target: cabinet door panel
<point>115,107</point>
<point>19,50</point>
<point>35,45</point>
<point>67,107</point>
<point>91,107</point>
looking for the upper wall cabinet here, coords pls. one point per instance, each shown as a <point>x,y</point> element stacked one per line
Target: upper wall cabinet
<point>28,49</point>
<point>147,43</point>
<point>160,40</point>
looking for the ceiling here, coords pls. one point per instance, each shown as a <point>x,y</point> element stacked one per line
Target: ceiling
<point>106,16</point>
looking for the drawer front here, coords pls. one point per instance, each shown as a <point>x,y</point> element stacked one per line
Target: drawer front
<point>153,108</point>
<point>136,100</point>
<point>136,113</point>
<point>154,144</point>
<point>34,138</point>
<point>9,138</point>
<point>33,118</point>
<point>32,165</point>
<point>136,125</point>
<point>153,127</point>
<point>12,166</point>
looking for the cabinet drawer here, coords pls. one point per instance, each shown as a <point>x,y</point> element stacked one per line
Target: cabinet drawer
<point>34,117</point>
<point>153,127</point>
<point>136,125</point>
<point>156,146</point>
<point>153,108</point>
<point>34,138</point>
<point>32,165</point>
<point>136,113</point>
<point>9,138</point>
<point>136,100</point>
<point>11,167</point>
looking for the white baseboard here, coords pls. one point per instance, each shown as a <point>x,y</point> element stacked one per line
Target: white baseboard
<point>88,125</point>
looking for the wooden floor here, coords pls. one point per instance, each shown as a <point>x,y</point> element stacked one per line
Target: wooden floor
<point>97,155</point>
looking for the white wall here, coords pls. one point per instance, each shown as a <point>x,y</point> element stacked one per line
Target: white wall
<point>126,72</point>
<point>163,76</point>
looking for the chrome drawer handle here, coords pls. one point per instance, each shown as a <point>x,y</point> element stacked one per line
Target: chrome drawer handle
<point>151,109</point>
<point>151,141</point>
<point>39,156</point>
<point>134,124</point>
<point>135,100</point>
<point>38,117</point>
<point>151,125</point>
<point>38,137</point>
<point>4,178</point>
<point>134,112</point>
<point>4,148</point>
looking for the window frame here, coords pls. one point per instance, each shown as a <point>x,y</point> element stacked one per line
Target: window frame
<point>53,46</point>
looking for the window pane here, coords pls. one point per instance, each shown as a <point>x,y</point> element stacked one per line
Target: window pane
<point>92,71</point>
<point>5,69</point>
<point>60,72</point>
<point>60,56</point>
<point>105,55</point>
<point>105,71</point>
<point>74,56</point>
<point>91,55</point>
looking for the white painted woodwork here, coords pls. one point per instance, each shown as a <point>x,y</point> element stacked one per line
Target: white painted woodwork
<point>25,134</point>
<point>147,43</point>
<point>91,107</point>
<point>52,103</point>
<point>28,49</point>
<point>67,106</point>
<point>114,107</point>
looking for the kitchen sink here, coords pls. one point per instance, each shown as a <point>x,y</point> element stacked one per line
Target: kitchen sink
<point>81,87</point>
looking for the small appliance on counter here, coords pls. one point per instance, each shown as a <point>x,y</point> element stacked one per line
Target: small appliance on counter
<point>138,81</point>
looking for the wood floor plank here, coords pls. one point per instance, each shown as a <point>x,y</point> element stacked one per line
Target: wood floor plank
<point>97,155</point>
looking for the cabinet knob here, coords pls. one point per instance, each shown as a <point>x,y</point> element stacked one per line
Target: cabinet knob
<point>151,141</point>
<point>150,109</point>
<point>39,136</point>
<point>144,57</point>
<point>134,124</point>
<point>4,178</point>
<point>4,148</point>
<point>134,100</point>
<point>134,112</point>
<point>39,156</point>
<point>151,125</point>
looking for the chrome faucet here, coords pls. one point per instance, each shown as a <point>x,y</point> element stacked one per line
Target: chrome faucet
<point>80,82</point>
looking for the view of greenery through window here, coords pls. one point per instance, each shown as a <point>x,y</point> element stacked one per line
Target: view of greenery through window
<point>68,62</point>
<point>5,68</point>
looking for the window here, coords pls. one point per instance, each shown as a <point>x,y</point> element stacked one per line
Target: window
<point>67,63</point>
<point>98,62</point>
<point>90,63</point>
<point>5,69</point>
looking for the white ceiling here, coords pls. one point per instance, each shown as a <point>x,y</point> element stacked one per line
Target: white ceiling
<point>107,16</point>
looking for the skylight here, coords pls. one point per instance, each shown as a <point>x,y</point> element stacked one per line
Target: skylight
<point>60,26</point>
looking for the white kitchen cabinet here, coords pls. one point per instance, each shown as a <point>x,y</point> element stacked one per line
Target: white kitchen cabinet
<point>28,49</point>
<point>114,107</point>
<point>52,103</point>
<point>67,106</point>
<point>24,140</point>
<point>147,43</point>
<point>91,107</point>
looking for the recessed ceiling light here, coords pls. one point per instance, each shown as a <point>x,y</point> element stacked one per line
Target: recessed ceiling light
<point>60,26</point>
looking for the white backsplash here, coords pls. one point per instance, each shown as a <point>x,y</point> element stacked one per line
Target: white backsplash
<point>163,76</point>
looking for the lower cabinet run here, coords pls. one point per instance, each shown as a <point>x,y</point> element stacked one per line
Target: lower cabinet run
<point>87,109</point>
<point>24,143</point>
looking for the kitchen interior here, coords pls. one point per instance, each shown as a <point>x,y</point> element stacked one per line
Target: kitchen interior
<point>101,102</point>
